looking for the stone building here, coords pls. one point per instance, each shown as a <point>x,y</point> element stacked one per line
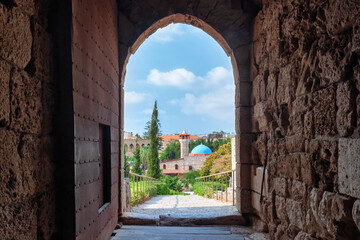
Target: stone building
<point>296,67</point>
<point>131,145</point>
<point>188,161</point>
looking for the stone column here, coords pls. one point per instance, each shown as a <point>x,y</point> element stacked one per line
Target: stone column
<point>184,147</point>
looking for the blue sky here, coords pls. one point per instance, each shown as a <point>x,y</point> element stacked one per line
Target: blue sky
<point>191,77</point>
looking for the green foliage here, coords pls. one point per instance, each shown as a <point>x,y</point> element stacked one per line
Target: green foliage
<point>144,156</point>
<point>153,166</point>
<point>169,186</point>
<point>206,189</point>
<point>137,163</point>
<point>140,194</point>
<point>209,142</point>
<point>189,177</point>
<point>218,161</point>
<point>126,163</point>
<point>172,151</point>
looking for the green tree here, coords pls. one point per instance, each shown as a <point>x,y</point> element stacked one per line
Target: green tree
<point>137,162</point>
<point>153,163</point>
<point>126,163</point>
<point>172,151</point>
<point>144,155</point>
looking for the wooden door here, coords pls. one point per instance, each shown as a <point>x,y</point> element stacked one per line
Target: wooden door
<point>87,49</point>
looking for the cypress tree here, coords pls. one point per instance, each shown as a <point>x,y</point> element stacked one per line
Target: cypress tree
<point>153,167</point>
<point>136,167</point>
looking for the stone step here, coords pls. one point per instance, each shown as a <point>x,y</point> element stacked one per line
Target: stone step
<point>184,219</point>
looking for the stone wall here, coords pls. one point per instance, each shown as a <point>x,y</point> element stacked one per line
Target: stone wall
<point>197,162</point>
<point>131,145</point>
<point>170,164</point>
<point>27,195</point>
<point>306,79</point>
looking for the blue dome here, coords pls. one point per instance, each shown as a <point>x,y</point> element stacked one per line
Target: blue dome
<point>201,149</point>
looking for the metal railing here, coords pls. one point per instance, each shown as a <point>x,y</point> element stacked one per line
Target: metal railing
<point>142,188</point>
<point>217,185</point>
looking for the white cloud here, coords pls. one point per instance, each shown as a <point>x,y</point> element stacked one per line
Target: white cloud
<point>168,33</point>
<point>218,75</point>
<point>218,104</point>
<point>179,77</point>
<point>134,97</point>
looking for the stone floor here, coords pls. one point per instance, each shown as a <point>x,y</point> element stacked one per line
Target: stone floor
<point>185,217</point>
<point>188,233</point>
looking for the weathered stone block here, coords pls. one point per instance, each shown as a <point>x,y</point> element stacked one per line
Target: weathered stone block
<point>280,206</point>
<point>289,166</point>
<point>304,236</point>
<point>271,88</point>
<point>26,107</point>
<point>296,124</point>
<point>356,213</point>
<point>286,85</point>
<point>296,213</point>
<point>345,116</point>
<point>298,190</point>
<point>301,104</point>
<point>261,149</point>
<point>27,6</point>
<point>259,88</point>
<point>309,125</point>
<point>340,15</point>
<point>4,94</point>
<point>280,186</point>
<point>349,167</point>
<point>10,167</point>
<point>295,143</point>
<point>20,219</point>
<point>307,170</point>
<point>16,38</point>
<point>356,36</point>
<point>325,112</point>
<point>262,116</point>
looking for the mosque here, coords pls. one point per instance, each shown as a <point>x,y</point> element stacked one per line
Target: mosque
<point>187,161</point>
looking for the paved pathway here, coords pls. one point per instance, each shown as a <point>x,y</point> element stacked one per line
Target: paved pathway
<point>189,204</point>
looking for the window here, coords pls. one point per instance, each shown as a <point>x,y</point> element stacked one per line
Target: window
<point>190,168</point>
<point>176,167</point>
<point>131,147</point>
<point>164,166</point>
<point>104,164</point>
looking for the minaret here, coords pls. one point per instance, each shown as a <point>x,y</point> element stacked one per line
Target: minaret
<point>184,144</point>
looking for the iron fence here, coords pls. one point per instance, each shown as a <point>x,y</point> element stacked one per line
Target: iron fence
<point>142,188</point>
<point>219,186</point>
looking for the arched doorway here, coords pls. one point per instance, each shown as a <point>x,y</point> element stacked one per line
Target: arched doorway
<point>239,52</point>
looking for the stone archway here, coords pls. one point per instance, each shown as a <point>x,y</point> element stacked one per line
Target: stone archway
<point>230,26</point>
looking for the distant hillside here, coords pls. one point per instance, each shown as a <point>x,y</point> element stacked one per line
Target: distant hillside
<point>218,161</point>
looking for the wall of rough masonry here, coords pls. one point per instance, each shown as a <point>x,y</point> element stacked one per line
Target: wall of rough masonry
<point>27,199</point>
<point>305,76</point>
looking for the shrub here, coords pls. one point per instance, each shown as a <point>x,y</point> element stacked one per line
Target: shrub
<point>169,186</point>
<point>189,178</point>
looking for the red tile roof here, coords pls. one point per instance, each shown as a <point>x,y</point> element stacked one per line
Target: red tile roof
<point>177,137</point>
